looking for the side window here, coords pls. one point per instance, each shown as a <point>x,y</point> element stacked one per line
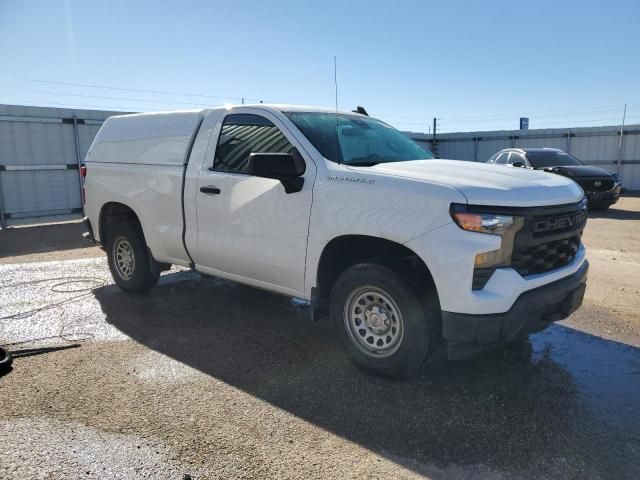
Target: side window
<point>516,157</point>
<point>502,158</point>
<point>243,134</point>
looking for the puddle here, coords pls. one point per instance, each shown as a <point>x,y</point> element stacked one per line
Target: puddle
<point>606,373</point>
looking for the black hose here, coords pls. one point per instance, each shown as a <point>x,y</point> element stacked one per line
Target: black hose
<point>62,286</point>
<point>5,361</point>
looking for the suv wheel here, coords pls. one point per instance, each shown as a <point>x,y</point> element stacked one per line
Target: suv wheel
<point>129,261</point>
<point>380,321</point>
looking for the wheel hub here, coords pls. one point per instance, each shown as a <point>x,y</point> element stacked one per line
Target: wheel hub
<point>123,258</point>
<point>373,321</point>
<point>377,319</point>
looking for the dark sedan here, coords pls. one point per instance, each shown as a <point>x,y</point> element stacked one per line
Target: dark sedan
<point>601,187</point>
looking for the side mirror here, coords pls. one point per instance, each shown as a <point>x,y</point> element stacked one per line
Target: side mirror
<point>518,164</point>
<point>286,167</point>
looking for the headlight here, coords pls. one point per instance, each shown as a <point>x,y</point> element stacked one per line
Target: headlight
<point>583,204</point>
<point>483,222</point>
<point>616,177</point>
<point>504,225</point>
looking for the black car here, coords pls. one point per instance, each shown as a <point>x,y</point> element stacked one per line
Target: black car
<point>601,187</point>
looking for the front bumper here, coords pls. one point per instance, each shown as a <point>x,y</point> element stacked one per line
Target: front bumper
<point>468,335</point>
<point>604,198</point>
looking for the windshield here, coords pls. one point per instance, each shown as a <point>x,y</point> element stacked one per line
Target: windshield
<point>356,140</point>
<point>552,159</point>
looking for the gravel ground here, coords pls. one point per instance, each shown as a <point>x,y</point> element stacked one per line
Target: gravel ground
<point>216,380</point>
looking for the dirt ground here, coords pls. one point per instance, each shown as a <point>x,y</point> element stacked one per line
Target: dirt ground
<point>207,378</point>
<point>612,239</point>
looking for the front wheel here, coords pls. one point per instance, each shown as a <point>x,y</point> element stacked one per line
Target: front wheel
<point>381,323</point>
<point>129,260</point>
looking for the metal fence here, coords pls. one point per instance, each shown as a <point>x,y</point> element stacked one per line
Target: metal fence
<point>605,147</point>
<point>41,149</point>
<point>40,152</point>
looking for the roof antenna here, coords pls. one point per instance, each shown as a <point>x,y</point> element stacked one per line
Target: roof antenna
<point>335,81</point>
<point>360,110</point>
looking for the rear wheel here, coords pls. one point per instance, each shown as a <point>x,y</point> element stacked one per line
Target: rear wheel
<point>381,323</point>
<point>129,260</point>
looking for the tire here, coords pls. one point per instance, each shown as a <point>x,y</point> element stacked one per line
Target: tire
<point>383,326</point>
<point>129,261</point>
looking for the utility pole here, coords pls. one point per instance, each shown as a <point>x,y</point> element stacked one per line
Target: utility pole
<point>78,157</point>
<point>434,141</point>
<point>621,143</point>
<point>3,223</point>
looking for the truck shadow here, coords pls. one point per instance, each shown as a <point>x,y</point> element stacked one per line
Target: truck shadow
<point>533,408</point>
<point>42,238</point>
<point>615,214</point>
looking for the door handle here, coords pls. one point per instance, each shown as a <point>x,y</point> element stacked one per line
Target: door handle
<point>210,190</point>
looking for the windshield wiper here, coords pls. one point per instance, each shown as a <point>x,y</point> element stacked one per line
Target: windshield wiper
<point>362,163</point>
<point>366,160</point>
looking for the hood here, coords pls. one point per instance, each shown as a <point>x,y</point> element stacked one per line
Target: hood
<point>579,171</point>
<point>486,184</point>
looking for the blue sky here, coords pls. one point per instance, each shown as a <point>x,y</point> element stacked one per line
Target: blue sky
<point>474,65</point>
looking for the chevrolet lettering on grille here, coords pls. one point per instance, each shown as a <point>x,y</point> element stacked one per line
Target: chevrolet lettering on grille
<point>560,223</point>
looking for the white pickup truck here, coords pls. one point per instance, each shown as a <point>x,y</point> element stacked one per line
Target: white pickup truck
<point>404,252</point>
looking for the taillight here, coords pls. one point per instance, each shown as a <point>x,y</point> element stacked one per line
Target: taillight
<point>83,175</point>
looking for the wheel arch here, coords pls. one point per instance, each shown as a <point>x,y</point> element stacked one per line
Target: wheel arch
<point>111,211</point>
<point>346,250</point>
<point>116,211</point>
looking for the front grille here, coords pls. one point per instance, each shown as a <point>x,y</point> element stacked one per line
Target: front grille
<point>549,238</point>
<point>596,184</point>
<point>540,258</point>
<point>558,224</point>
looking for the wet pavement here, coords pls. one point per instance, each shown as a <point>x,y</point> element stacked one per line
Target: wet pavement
<point>226,380</point>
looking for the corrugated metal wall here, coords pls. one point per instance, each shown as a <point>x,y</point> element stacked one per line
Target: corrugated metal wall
<point>40,149</point>
<point>593,145</point>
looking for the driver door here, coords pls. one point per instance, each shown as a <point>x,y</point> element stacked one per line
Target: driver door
<point>249,226</point>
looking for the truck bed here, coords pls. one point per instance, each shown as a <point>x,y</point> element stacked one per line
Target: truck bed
<point>140,160</point>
